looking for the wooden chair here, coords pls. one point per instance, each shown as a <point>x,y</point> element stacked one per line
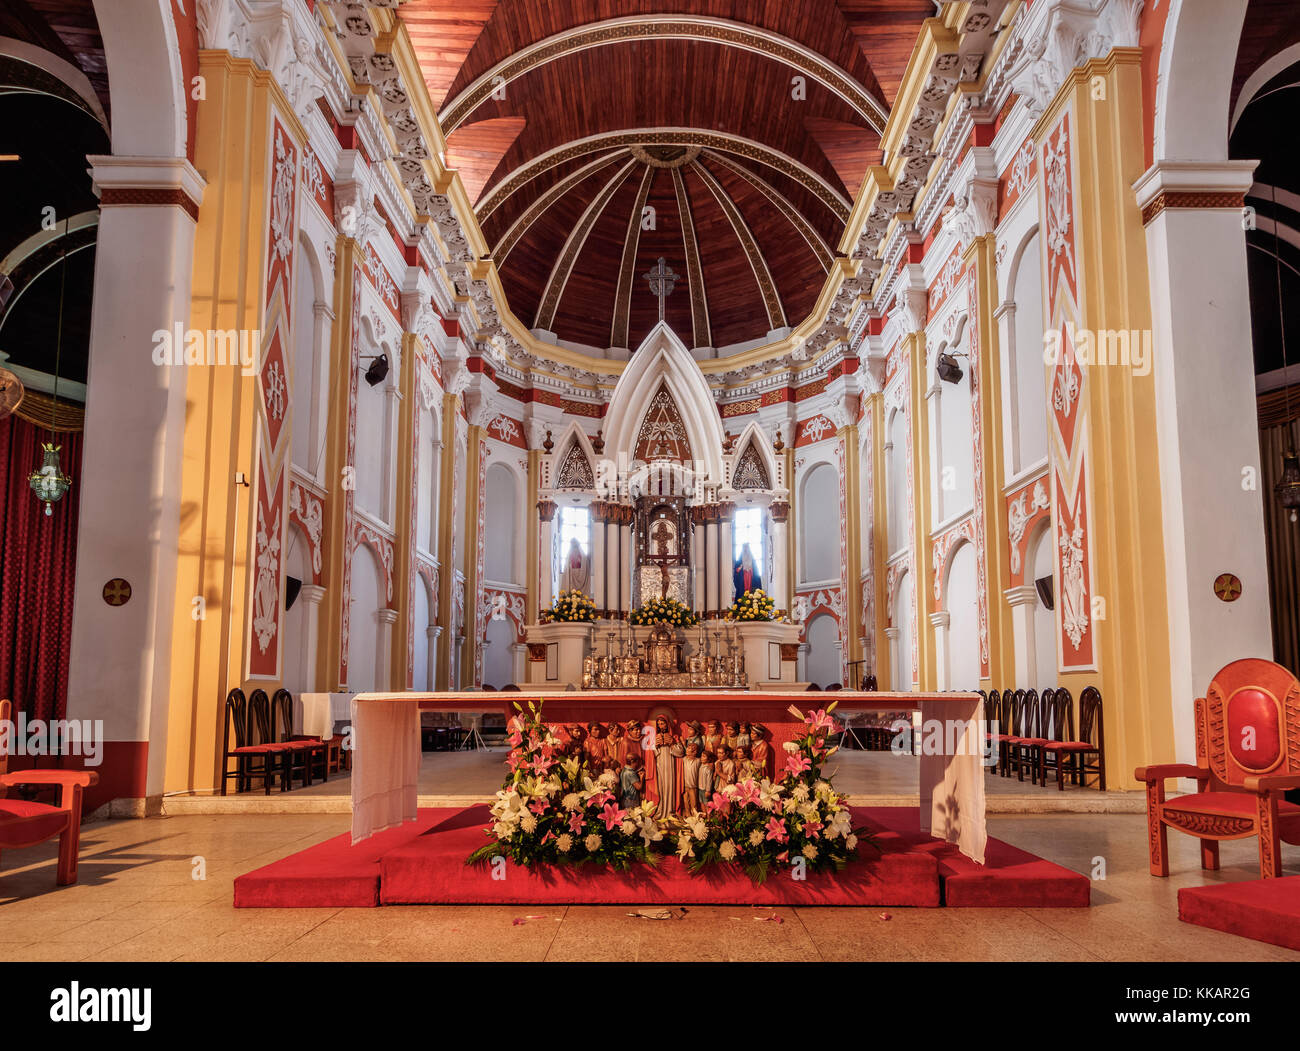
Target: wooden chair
<point>252,760</point>
<point>1085,754</point>
<point>1247,755</point>
<point>25,824</point>
<point>1026,742</point>
<point>996,734</point>
<point>325,753</point>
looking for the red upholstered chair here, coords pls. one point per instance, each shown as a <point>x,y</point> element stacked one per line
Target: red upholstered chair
<point>251,760</point>
<point>24,824</point>
<point>1085,754</point>
<point>1247,755</point>
<point>1025,745</point>
<point>308,750</point>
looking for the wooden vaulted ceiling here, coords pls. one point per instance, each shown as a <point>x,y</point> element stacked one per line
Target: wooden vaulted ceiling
<point>596,136</point>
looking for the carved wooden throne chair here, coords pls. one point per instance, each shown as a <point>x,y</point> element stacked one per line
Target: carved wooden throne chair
<point>1247,756</point>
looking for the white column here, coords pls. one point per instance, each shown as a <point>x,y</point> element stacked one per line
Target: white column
<point>598,559</point>
<point>1023,602</point>
<point>120,662</point>
<point>940,622</point>
<point>711,563</point>
<point>895,658</point>
<point>312,595</point>
<point>613,576</point>
<point>384,656</point>
<point>431,635</point>
<point>698,563</point>
<point>545,553</point>
<point>726,559</point>
<point>780,558</point>
<point>625,565</point>
<point>1202,370</point>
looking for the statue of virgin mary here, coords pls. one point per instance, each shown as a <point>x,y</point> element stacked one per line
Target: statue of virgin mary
<point>576,575</point>
<point>745,573</point>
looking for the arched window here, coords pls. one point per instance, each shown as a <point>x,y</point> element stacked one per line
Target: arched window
<point>575,524</point>
<point>747,528</point>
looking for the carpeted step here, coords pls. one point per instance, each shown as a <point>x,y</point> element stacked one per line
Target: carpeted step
<point>1267,910</point>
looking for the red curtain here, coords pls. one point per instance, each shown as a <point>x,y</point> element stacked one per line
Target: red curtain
<point>37,567</point>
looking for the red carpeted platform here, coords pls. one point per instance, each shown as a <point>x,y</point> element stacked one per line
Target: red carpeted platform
<point>424,863</point>
<point>1267,910</point>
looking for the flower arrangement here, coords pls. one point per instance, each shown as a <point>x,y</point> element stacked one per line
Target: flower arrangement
<point>666,611</point>
<point>761,825</point>
<point>571,607</point>
<point>551,811</point>
<point>753,605</point>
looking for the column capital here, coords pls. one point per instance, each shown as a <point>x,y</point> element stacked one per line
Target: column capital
<point>546,510</point>
<point>1193,185</point>
<point>892,633</point>
<point>1024,595</point>
<point>780,510</point>
<point>147,181</point>
<point>941,619</point>
<point>312,593</point>
<point>388,616</point>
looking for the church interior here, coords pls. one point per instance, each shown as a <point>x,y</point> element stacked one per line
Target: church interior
<point>426,423</point>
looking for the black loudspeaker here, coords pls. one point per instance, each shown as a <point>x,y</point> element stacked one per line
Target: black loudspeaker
<point>1045,596</point>
<point>292,585</point>
<point>377,371</point>
<point>948,369</point>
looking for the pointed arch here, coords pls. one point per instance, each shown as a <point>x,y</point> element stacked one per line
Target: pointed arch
<point>756,448</point>
<point>574,454</point>
<point>663,360</point>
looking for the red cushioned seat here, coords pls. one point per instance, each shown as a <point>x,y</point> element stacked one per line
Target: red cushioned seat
<point>1070,746</point>
<point>40,821</point>
<point>1233,803</point>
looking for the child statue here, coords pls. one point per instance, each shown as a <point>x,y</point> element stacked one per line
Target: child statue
<point>705,775</point>
<point>759,750</point>
<point>630,781</point>
<point>691,778</point>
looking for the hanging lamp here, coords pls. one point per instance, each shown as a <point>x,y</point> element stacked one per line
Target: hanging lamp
<point>48,481</point>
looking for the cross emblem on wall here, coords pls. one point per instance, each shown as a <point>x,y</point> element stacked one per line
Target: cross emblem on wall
<point>117,592</point>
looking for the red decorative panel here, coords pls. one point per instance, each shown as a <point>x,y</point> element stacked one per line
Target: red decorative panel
<point>1025,509</point>
<point>815,429</point>
<point>1019,177</point>
<point>810,390</point>
<point>507,429</point>
<point>270,531</point>
<point>383,283</point>
<point>946,282</point>
<point>316,182</point>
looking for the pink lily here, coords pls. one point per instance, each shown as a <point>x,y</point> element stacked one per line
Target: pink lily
<point>575,823</point>
<point>515,739</point>
<point>812,829</point>
<point>600,798</point>
<point>783,856</point>
<point>746,792</point>
<point>719,804</point>
<point>613,816</point>
<point>819,720</point>
<point>776,830</point>
<point>796,763</point>
<point>538,806</point>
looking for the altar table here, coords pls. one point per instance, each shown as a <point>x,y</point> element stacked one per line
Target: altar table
<point>386,742</point>
<point>319,713</point>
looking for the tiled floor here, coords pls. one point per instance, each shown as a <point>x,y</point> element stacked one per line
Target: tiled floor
<point>138,899</point>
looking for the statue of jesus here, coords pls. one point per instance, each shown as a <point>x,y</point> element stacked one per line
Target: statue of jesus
<point>745,573</point>
<point>577,570</point>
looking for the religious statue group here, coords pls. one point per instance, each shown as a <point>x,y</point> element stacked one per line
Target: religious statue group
<point>678,768</point>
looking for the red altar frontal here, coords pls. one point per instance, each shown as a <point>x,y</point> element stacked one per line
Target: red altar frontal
<point>386,741</point>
